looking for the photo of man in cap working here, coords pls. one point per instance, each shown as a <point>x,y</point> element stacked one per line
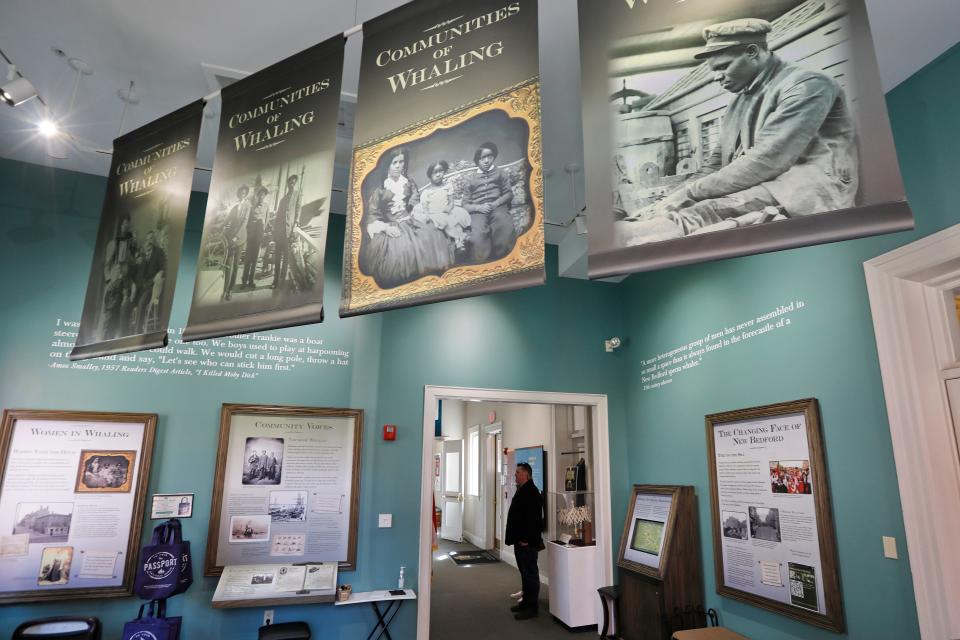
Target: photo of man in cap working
<point>786,145</point>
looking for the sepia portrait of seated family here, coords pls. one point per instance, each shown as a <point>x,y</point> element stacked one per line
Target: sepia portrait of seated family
<point>472,206</point>
<point>726,124</point>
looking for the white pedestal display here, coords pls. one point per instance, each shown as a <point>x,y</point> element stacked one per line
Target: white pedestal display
<point>573,584</point>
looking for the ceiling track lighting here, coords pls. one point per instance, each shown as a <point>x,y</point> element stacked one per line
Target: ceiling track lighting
<point>16,89</point>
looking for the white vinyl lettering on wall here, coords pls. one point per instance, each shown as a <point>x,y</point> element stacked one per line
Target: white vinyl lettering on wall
<point>239,357</point>
<point>663,368</point>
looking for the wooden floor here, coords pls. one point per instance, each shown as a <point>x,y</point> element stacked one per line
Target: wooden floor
<point>473,602</point>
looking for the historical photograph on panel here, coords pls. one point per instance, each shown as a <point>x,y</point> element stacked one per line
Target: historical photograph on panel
<point>458,196</point>
<point>249,528</point>
<point>263,461</point>
<point>735,525</point>
<point>55,565</point>
<point>288,506</point>
<point>105,471</point>
<point>446,187</point>
<point>44,521</point>
<point>790,476</point>
<point>739,114</point>
<point>131,284</point>
<point>764,524</point>
<point>262,578</point>
<point>264,236</point>
<point>265,228</point>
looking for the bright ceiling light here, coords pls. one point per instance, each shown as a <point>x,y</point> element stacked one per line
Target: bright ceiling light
<point>48,128</point>
<point>17,91</point>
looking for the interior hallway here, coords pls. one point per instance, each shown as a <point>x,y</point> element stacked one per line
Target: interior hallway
<point>473,603</point>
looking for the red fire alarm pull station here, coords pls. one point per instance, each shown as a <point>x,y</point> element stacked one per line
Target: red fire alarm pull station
<point>389,432</point>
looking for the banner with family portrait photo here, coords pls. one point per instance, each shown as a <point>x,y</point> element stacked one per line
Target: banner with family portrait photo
<point>722,129</point>
<point>446,187</point>
<point>265,229</point>
<point>135,260</point>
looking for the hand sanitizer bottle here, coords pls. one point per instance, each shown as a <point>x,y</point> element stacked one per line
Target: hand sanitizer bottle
<point>400,581</point>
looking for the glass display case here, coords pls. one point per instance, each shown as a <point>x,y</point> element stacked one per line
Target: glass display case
<point>573,517</point>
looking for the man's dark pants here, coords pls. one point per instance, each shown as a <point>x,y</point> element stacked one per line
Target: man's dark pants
<point>529,574</point>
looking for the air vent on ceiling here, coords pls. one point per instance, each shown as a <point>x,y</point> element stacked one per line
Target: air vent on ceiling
<point>220,77</point>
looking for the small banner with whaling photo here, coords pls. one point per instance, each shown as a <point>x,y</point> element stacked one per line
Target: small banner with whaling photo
<point>265,229</point>
<point>135,260</point>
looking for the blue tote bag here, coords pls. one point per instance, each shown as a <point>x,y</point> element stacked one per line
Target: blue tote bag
<point>154,625</point>
<point>165,567</point>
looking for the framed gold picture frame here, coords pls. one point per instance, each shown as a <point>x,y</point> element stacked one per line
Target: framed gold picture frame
<point>773,535</point>
<point>285,473</point>
<point>73,488</point>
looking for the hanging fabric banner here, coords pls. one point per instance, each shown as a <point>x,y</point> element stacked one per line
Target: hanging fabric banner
<point>135,260</point>
<point>722,129</point>
<point>265,228</point>
<point>446,188</point>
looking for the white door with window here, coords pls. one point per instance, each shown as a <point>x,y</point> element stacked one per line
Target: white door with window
<point>451,525</point>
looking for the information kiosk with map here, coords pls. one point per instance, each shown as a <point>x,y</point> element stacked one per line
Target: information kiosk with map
<point>660,569</point>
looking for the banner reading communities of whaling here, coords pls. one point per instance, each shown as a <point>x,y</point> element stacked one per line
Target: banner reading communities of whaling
<point>446,191</point>
<point>264,233</point>
<point>720,129</point>
<point>135,260</point>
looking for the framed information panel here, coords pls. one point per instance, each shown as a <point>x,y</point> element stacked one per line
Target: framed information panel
<point>73,486</point>
<point>773,536</point>
<point>286,487</point>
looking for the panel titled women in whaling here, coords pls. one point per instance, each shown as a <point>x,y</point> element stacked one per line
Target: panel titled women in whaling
<point>446,190</point>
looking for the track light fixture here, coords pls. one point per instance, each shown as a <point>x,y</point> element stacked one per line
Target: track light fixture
<point>17,89</point>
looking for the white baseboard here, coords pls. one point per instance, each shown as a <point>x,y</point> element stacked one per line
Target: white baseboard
<point>476,541</point>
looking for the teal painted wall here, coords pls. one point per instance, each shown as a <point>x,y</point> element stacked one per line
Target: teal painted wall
<point>547,338</point>
<point>525,340</point>
<point>828,352</point>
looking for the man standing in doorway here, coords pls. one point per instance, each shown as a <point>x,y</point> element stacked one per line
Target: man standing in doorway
<point>524,525</point>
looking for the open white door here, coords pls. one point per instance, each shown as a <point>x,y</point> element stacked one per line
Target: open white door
<point>451,525</point>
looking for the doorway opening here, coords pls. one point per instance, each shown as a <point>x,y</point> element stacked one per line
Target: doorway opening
<point>472,441</point>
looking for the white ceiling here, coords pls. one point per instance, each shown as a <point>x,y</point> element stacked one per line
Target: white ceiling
<point>162,46</point>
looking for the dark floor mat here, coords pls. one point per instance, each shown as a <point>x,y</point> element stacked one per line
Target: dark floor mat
<point>472,557</point>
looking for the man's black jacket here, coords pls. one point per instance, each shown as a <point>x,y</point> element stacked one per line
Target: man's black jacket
<point>525,517</point>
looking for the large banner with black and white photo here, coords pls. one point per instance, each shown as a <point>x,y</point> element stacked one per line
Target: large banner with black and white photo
<point>265,229</point>
<point>446,188</point>
<point>715,129</point>
<point>135,260</point>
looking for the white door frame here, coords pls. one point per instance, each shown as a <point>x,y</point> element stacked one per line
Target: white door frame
<point>601,441</point>
<point>910,302</point>
<point>486,511</point>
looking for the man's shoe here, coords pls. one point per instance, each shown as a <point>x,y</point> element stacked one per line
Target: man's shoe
<point>517,608</point>
<point>525,614</point>
<point>517,595</point>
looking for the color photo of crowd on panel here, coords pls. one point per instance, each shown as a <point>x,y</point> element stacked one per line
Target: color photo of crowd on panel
<point>459,196</point>
<point>754,125</point>
<point>265,241</point>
